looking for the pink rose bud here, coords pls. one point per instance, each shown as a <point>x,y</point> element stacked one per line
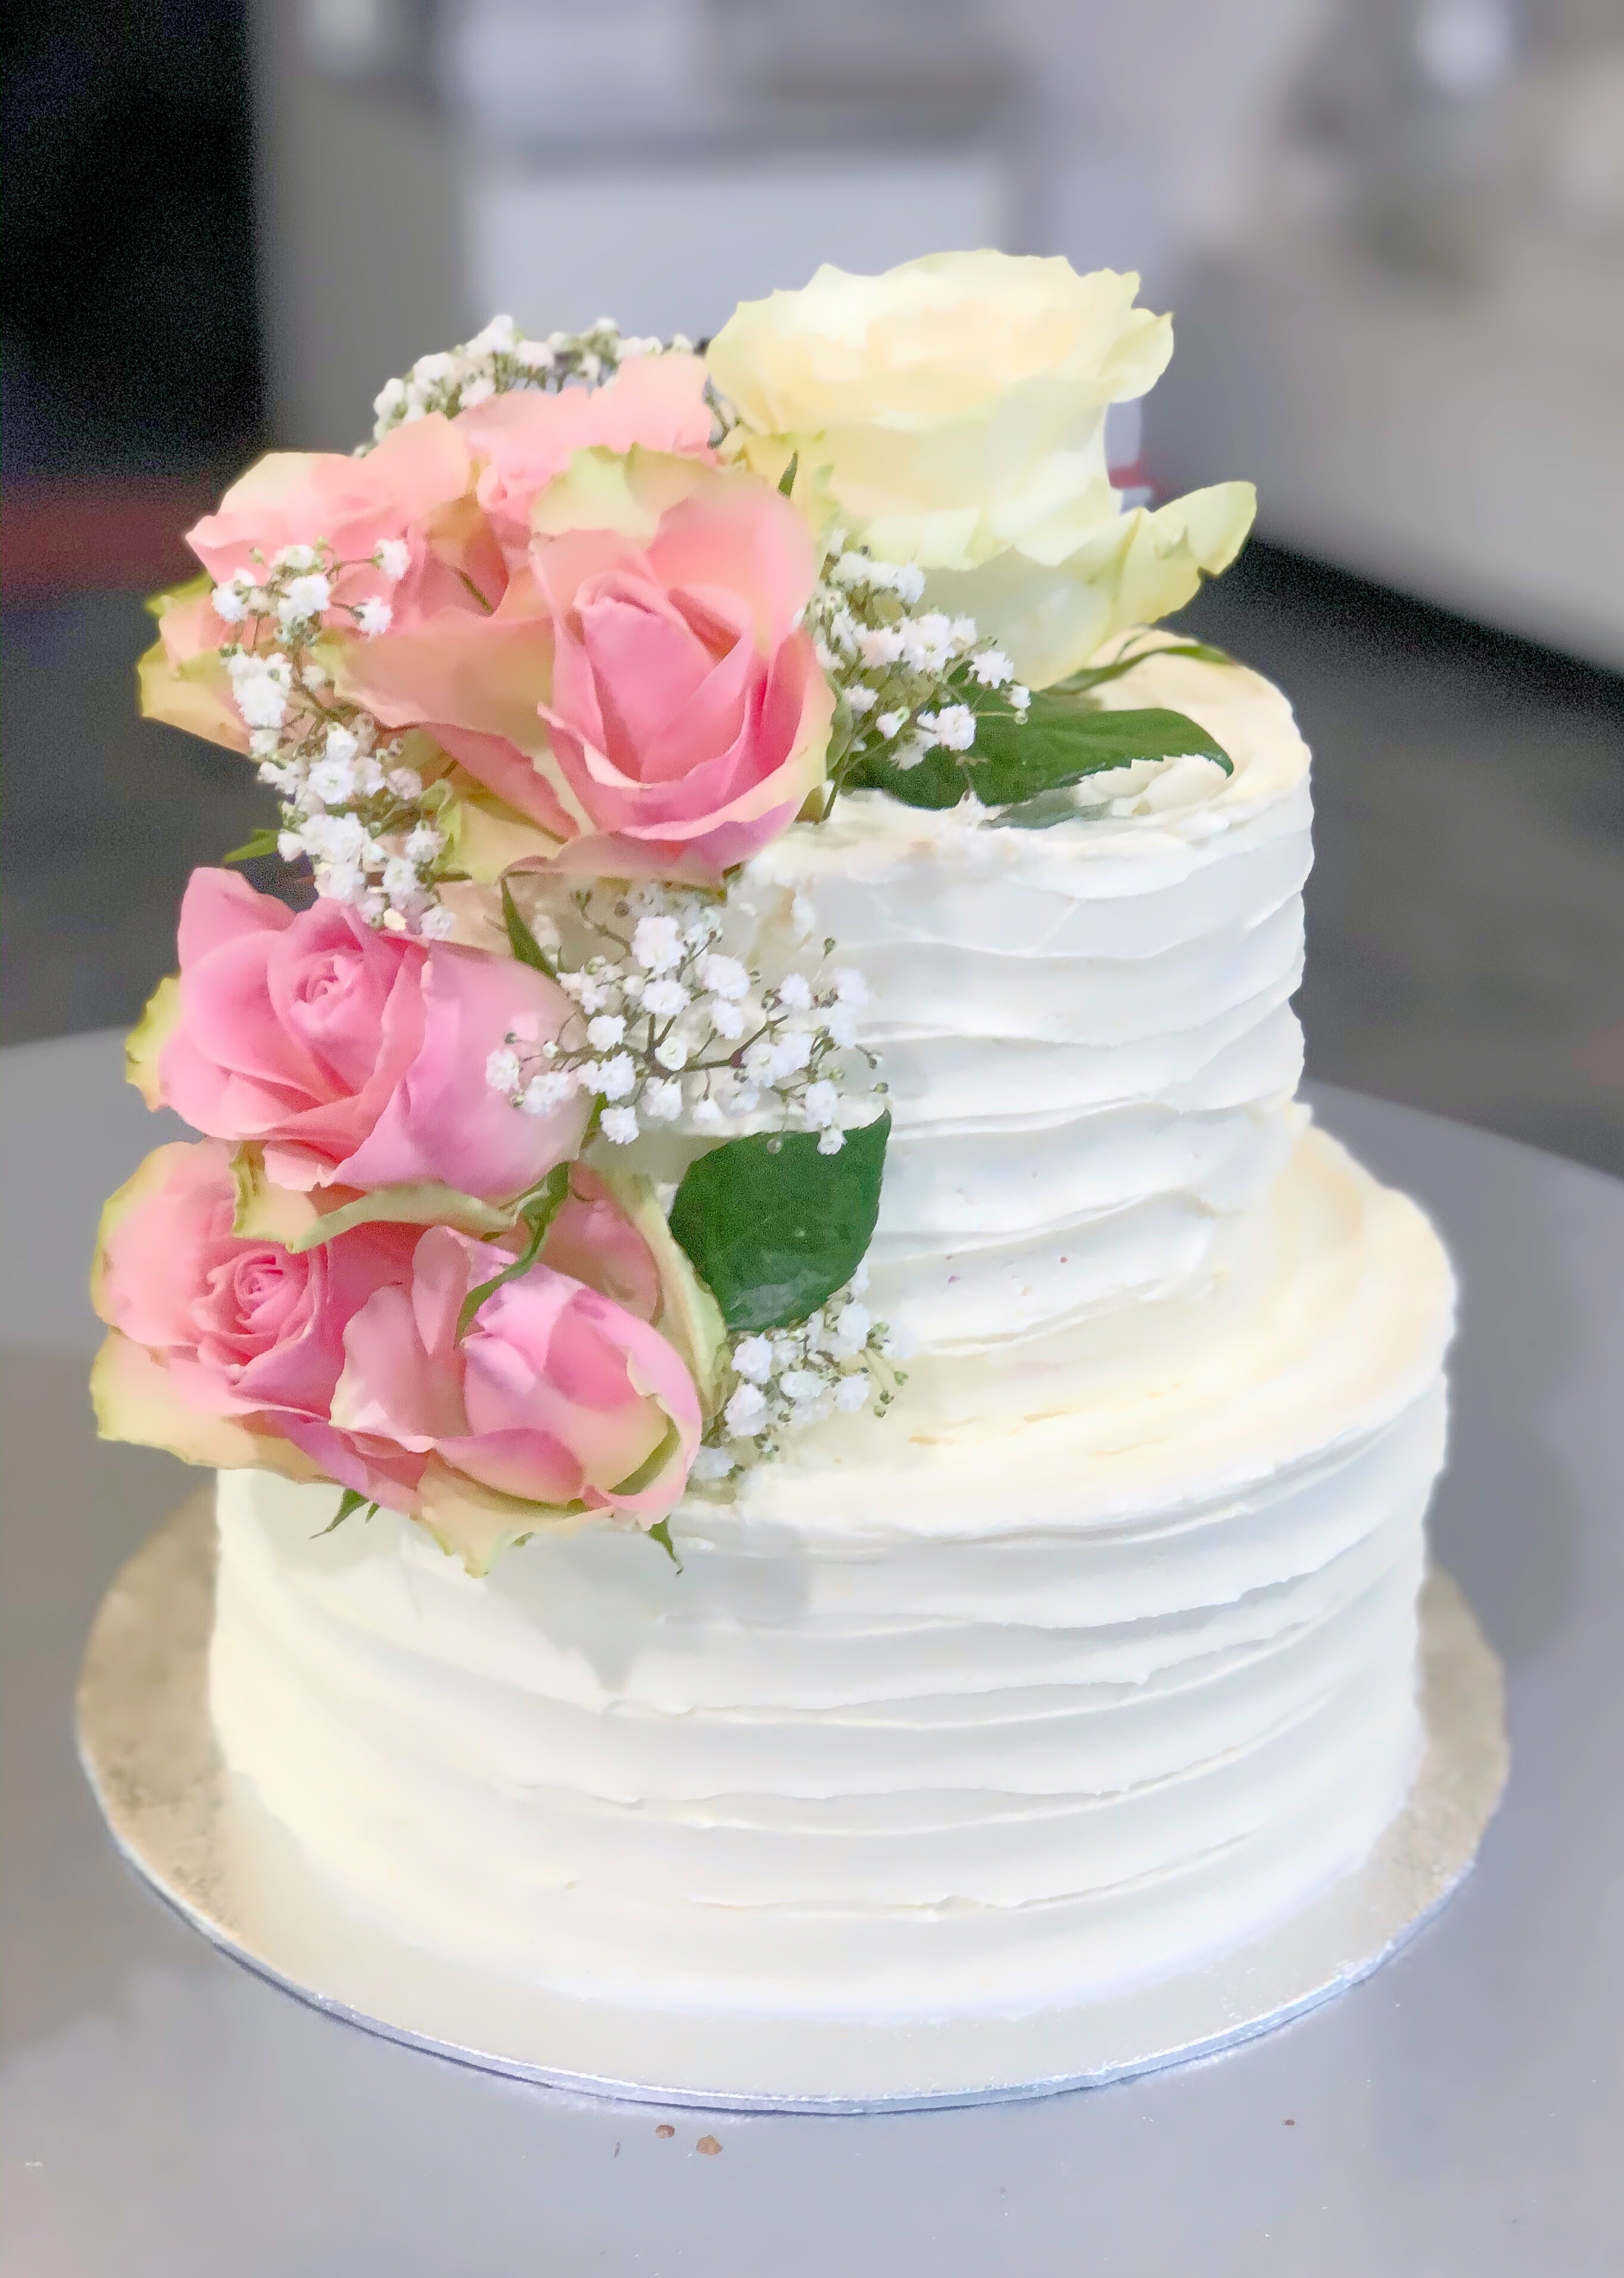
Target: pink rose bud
<point>356,1058</point>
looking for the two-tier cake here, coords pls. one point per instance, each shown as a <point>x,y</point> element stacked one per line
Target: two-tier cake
<point>791,1055</point>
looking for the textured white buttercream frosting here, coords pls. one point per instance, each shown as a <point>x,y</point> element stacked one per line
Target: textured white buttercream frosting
<point>1094,1656</point>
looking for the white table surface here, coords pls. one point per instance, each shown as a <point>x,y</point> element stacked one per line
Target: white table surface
<point>1462,2111</point>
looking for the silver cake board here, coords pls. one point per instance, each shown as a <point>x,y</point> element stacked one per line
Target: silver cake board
<point>198,1836</point>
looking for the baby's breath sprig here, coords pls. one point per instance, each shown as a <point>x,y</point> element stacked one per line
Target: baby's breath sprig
<point>906,679</point>
<point>500,359</point>
<point>350,804</point>
<point>673,1030</point>
<point>835,1362</point>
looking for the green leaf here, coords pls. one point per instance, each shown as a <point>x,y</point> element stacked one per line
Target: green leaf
<point>352,1500</point>
<point>1061,742</point>
<point>262,842</point>
<point>661,1533</point>
<point>941,779</point>
<point>523,943</point>
<point>773,1227</point>
<point>786,481</point>
<point>537,1209</point>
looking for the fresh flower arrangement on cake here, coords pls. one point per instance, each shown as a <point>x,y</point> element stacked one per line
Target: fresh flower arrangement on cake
<point>533,676</point>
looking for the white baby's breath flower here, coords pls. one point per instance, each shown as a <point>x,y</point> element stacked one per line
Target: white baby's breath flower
<point>619,1125</point>
<point>332,780</point>
<point>706,1115</point>
<point>304,597</point>
<point>406,783</point>
<point>665,998</point>
<point>881,646</point>
<point>711,1466</point>
<point>724,976</point>
<point>795,991</point>
<point>657,944</point>
<point>851,1393</point>
<point>262,700</point>
<point>662,1099</point>
<point>394,559</point>
<point>822,1104</point>
<point>544,1092</point>
<point>227,603</point>
<point>614,1078</point>
<point>374,617</point>
<point>746,1412</point>
<point>437,922</point>
<point>672,1053</point>
<point>753,1359</point>
<point>607,1030</point>
<point>423,844</point>
<point>339,882</point>
<point>890,724</point>
<point>953,726</point>
<point>502,1069</point>
<point>726,1018</point>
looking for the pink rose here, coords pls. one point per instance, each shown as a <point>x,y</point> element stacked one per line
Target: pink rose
<point>556,1402</point>
<point>527,437</point>
<point>352,1057</point>
<point>224,1348</point>
<point>416,488</point>
<point>642,692</point>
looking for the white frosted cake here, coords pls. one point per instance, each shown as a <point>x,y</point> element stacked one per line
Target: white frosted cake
<point>1097,1654</point>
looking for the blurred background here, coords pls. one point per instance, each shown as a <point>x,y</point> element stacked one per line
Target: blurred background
<point>1392,232</point>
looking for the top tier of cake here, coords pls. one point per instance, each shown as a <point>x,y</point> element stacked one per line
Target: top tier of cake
<point>1085,1030</point>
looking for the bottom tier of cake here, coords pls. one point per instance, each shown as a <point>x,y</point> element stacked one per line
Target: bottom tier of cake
<point>939,1723</point>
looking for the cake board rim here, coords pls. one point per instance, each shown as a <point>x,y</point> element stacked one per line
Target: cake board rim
<point>201,1842</point>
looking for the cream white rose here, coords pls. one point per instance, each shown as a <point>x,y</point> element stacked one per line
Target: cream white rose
<point>954,410</point>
